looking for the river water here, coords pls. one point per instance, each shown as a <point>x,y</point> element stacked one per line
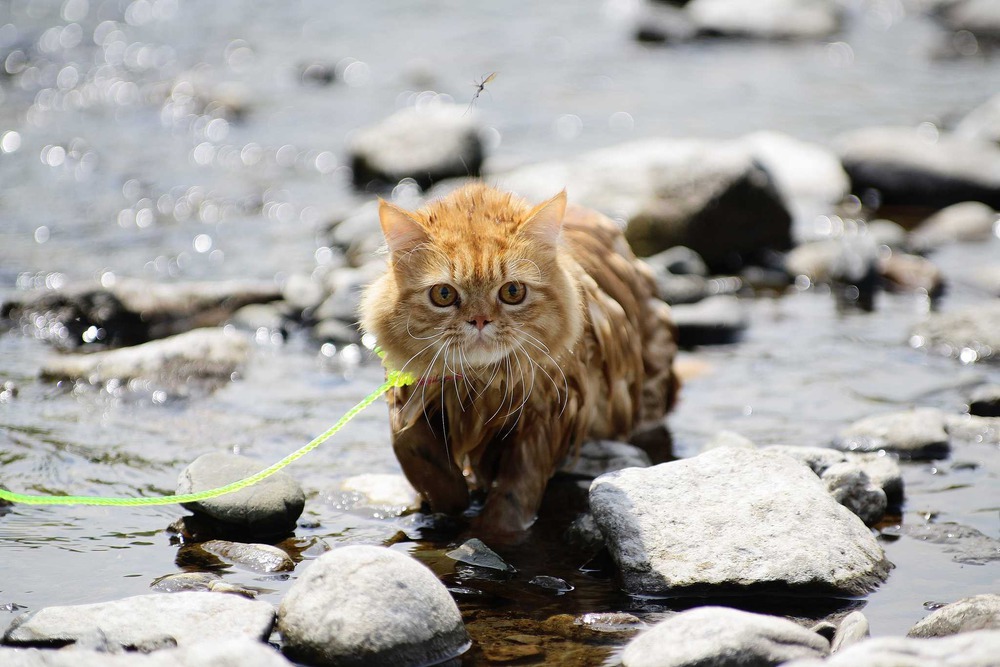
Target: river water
<point>173,139</point>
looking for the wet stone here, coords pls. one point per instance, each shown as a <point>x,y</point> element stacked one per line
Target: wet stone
<point>474,552</point>
<point>850,486</point>
<point>980,612</point>
<point>147,622</point>
<point>913,434</point>
<point>985,401</point>
<point>713,321</point>
<point>853,629</point>
<point>242,652</point>
<point>971,334</point>
<point>361,605</point>
<point>610,622</point>
<point>255,557</point>
<point>597,457</point>
<point>724,637</point>
<point>971,649</point>
<point>184,581</point>
<point>384,494</point>
<point>968,545</point>
<point>554,584</point>
<point>270,507</point>
<point>734,518</point>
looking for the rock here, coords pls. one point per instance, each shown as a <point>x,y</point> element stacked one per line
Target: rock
<point>890,234</point>
<point>907,168</point>
<point>766,19</point>
<point>335,331</point>
<point>427,144</point>
<point>474,552</point>
<point>714,321</point>
<point>985,401</point>
<point>210,355</point>
<point>733,517</point>
<point>851,487</point>
<point>147,622</point>
<point>971,334</point>
<point>973,429</point>
<point>184,581</point>
<point>346,286</point>
<point>317,73</point>
<point>980,612</point>
<point>722,637</point>
<point>359,234</point>
<point>583,534</point>
<point>907,273</point>
<point>388,495</point>
<point>968,545</point>
<point>554,584</point>
<point>728,439</point>
<point>967,222</point>
<point>817,458</point>
<point>852,630</point>
<point>362,605</point>
<point>597,457</point>
<point>255,557</point>
<point>681,289</point>
<point>982,123</point>
<point>301,292</point>
<point>655,23</point>
<point>882,470</point>
<point>270,507</point>
<point>987,279</point>
<point>848,264</point>
<point>972,649</point>
<point>980,17</point>
<point>260,316</point>
<point>679,261</point>
<point>913,434</point>
<point>618,622</point>
<point>132,311</point>
<point>710,196</point>
<point>226,653</point>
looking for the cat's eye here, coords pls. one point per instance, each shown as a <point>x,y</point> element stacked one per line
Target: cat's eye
<point>443,295</point>
<point>513,292</point>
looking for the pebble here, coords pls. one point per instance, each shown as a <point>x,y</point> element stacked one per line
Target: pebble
<point>985,401</point>
<point>267,508</point>
<point>716,320</point>
<point>971,334</point>
<point>733,518</point>
<point>474,552</point>
<point>554,584</point>
<point>905,169</point>
<point>147,622</point>
<point>722,637</point>
<point>209,355</point>
<point>225,653</point>
<point>980,612</point>
<point>364,605</point>
<point>853,629</point>
<point>427,144</point>
<point>966,222</point>
<point>851,487</point>
<point>972,649</point>
<point>913,434</point>
<point>597,457</point>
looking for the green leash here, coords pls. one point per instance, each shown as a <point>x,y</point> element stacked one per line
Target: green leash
<point>393,379</point>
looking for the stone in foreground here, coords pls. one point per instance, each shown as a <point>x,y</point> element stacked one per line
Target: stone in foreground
<point>971,649</point>
<point>146,622</point>
<point>269,507</point>
<point>981,612</point>
<point>364,605</point>
<point>230,653</point>
<point>722,637</point>
<point>733,518</point>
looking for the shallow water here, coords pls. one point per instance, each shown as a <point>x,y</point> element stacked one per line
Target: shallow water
<point>117,169</point>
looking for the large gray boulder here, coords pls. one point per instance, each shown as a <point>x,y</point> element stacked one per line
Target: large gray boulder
<point>363,605</point>
<point>980,612</point>
<point>269,507</point>
<point>908,168</point>
<point>736,518</point>
<point>913,434</point>
<point>970,334</point>
<point>228,653</point>
<point>428,144</point>
<point>146,622</point>
<point>722,637</point>
<point>971,649</point>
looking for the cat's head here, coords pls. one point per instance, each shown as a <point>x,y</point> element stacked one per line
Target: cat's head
<point>473,279</point>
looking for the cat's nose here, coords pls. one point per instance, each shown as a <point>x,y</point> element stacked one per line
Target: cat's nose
<point>480,321</point>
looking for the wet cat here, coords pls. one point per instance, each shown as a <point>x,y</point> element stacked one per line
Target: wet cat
<point>530,328</point>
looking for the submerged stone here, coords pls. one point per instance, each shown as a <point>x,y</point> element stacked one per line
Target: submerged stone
<point>474,552</point>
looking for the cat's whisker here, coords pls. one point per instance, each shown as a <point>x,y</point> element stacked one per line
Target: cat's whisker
<point>525,259</point>
<point>564,396</point>
<point>423,375</point>
<point>531,364</point>
<point>415,337</point>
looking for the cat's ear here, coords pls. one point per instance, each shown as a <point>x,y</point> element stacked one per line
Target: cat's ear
<point>402,233</point>
<point>545,221</point>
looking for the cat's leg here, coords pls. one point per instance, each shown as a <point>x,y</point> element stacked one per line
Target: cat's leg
<point>423,454</point>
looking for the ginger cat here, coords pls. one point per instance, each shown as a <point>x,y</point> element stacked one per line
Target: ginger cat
<point>530,328</point>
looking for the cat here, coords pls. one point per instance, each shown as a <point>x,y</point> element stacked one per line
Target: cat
<point>530,328</point>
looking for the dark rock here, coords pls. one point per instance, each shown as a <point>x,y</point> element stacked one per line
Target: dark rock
<point>361,605</point>
<point>853,629</point>
<point>985,401</point>
<point>714,321</point>
<point>597,457</point>
<point>969,221</point>
<point>474,552</point>
<point>722,637</point>
<point>242,652</point>
<point>731,517</point>
<point>982,123</point>
<point>973,649</point>
<point>907,168</point>
<point>766,19</point>
<point>913,434</point>
<point>428,144</point>
<point>552,584</point>
<point>270,507</point>
<point>210,355</point>
<point>851,487</point>
<point>981,612</point>
<point>147,621</point>
<point>971,334</point>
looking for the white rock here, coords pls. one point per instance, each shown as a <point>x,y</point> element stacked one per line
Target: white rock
<point>980,612</point>
<point>971,649</point>
<point>914,434</point>
<point>228,653</point>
